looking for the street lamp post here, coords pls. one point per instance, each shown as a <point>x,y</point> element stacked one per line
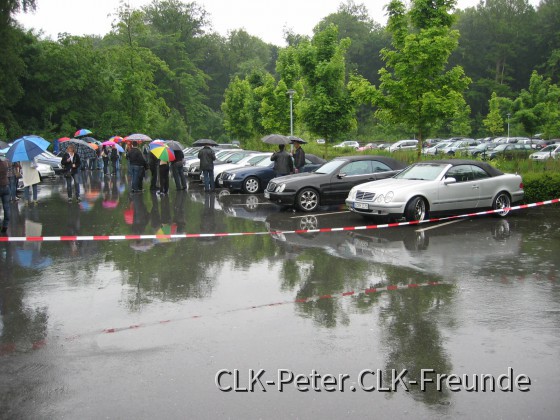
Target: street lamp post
<point>508,115</point>
<point>291,93</point>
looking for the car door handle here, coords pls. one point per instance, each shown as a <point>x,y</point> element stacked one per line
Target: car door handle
<point>475,187</point>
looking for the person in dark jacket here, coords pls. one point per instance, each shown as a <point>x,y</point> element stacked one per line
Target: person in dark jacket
<point>71,163</point>
<point>299,157</point>
<point>137,165</point>
<point>283,164</point>
<point>114,157</point>
<point>153,165</point>
<point>178,171</point>
<point>105,156</point>
<point>207,158</point>
<point>5,193</point>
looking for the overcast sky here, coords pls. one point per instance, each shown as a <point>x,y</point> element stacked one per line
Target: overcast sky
<point>261,18</point>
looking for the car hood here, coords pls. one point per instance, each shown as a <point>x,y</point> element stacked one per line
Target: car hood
<point>541,154</point>
<point>298,177</point>
<point>392,184</point>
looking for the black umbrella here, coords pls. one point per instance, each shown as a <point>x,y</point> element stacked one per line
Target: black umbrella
<point>83,149</point>
<point>205,142</point>
<point>174,145</point>
<point>294,139</point>
<point>276,139</point>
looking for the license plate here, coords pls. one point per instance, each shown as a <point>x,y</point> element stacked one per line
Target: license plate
<point>266,194</point>
<point>362,206</point>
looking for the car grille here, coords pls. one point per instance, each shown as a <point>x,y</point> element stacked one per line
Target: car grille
<point>365,196</point>
<point>271,186</point>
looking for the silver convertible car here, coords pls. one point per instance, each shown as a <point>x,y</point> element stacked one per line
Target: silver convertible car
<point>439,186</point>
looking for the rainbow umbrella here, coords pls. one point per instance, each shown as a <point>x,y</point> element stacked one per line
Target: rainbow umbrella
<point>116,139</point>
<point>111,144</point>
<point>63,139</point>
<point>82,132</point>
<point>166,229</point>
<point>156,143</point>
<point>163,153</point>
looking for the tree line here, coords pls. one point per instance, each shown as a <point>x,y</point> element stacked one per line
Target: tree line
<point>431,71</point>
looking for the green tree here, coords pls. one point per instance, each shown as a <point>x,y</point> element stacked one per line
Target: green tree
<point>416,89</point>
<point>494,123</point>
<point>238,109</point>
<point>327,108</point>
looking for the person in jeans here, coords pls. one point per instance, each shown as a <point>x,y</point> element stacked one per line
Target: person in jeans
<point>207,158</point>
<point>14,173</point>
<point>5,193</point>
<point>178,172</point>
<point>71,163</point>
<point>137,165</point>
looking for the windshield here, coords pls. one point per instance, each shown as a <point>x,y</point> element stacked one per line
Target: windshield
<point>329,167</point>
<point>265,162</point>
<point>422,171</point>
<point>549,148</point>
<point>501,147</point>
<point>256,159</point>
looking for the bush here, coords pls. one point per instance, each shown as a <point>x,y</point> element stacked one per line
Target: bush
<point>541,186</point>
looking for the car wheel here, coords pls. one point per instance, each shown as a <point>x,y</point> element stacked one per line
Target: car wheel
<point>307,200</point>
<point>502,201</point>
<point>251,185</point>
<point>416,210</point>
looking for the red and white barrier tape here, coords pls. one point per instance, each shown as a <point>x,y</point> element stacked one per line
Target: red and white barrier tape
<point>225,234</point>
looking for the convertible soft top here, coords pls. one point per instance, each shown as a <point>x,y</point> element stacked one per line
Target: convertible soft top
<point>455,162</point>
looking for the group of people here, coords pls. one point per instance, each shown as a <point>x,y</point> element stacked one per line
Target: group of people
<point>284,164</point>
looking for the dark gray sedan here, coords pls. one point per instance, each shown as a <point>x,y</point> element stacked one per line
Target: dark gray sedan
<point>330,183</point>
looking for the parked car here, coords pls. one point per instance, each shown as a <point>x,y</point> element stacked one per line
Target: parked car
<point>403,145</point>
<point>508,151</point>
<point>191,164</point>
<point>49,159</point>
<point>330,183</point>
<point>250,159</point>
<point>437,148</point>
<point>369,146</point>
<point>252,179</point>
<point>459,146</point>
<point>427,188</point>
<point>348,144</point>
<point>480,149</point>
<point>549,152</point>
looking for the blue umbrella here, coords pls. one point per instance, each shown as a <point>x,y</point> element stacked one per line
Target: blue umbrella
<point>26,148</point>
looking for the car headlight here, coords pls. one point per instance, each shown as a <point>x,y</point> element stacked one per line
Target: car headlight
<point>380,198</point>
<point>280,188</point>
<point>389,196</point>
<point>352,194</point>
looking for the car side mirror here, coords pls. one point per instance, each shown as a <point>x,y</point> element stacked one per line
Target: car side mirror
<point>341,175</point>
<point>449,180</point>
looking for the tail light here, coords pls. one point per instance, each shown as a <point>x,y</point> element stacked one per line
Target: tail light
<point>521,185</point>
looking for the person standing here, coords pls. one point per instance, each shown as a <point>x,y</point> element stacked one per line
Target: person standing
<point>283,164</point>
<point>299,157</point>
<point>14,173</point>
<point>30,178</point>
<point>153,164</point>
<point>207,158</point>
<point>5,193</point>
<point>105,156</point>
<point>71,163</point>
<point>178,171</point>
<point>114,157</point>
<point>163,177</point>
<point>137,164</point>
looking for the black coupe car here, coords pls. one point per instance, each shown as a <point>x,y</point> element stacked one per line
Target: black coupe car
<point>330,183</point>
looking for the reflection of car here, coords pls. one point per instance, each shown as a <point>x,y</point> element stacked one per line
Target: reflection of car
<point>508,151</point>
<point>253,179</point>
<point>549,152</point>
<point>251,207</point>
<point>437,186</point>
<point>330,183</point>
<point>349,143</point>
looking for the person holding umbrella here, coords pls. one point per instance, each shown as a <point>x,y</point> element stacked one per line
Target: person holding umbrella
<point>71,163</point>
<point>137,166</point>
<point>207,158</point>
<point>178,172</point>
<point>5,193</point>
<point>283,164</point>
<point>299,155</point>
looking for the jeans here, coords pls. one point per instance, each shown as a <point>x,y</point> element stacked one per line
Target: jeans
<point>26,192</point>
<point>137,173</point>
<point>13,187</point>
<point>69,179</point>
<point>5,194</point>
<point>179,175</point>
<point>208,179</point>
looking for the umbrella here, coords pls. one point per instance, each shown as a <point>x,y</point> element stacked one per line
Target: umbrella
<point>294,139</point>
<point>82,132</point>
<point>138,137</point>
<point>3,144</point>
<point>26,148</point>
<point>166,229</point>
<point>63,139</point>
<point>110,204</point>
<point>111,143</point>
<point>174,145</point>
<point>163,153</point>
<point>205,142</point>
<point>83,149</point>
<point>276,139</point>
<point>156,143</point>
<point>116,139</point>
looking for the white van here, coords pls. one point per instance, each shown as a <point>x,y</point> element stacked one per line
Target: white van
<point>403,145</point>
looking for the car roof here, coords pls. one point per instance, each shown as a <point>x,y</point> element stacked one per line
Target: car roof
<point>393,163</point>
<point>456,162</point>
